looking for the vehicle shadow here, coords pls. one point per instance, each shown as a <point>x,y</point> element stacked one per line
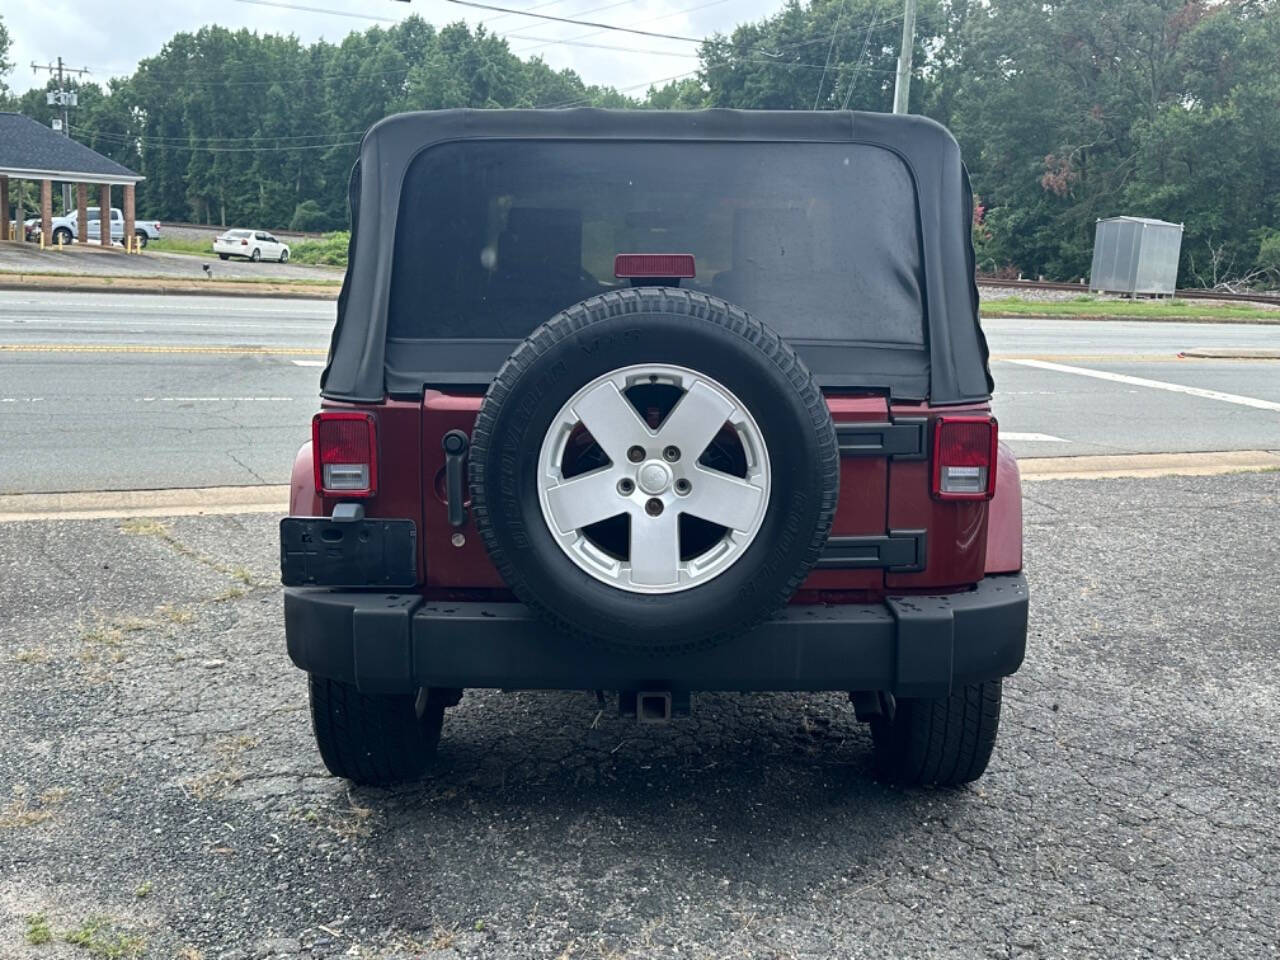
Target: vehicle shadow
<point>775,790</point>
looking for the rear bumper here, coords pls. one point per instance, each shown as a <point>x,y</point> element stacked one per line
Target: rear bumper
<point>912,646</point>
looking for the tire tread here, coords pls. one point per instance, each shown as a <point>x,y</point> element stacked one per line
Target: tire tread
<point>942,742</point>
<point>371,739</point>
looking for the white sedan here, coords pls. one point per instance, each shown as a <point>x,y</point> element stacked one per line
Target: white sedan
<point>253,245</point>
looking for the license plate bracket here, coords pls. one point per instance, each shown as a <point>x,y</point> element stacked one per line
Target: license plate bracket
<point>320,552</point>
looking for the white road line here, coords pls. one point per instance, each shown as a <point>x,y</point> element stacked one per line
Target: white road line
<point>309,363</point>
<point>1153,384</point>
<point>1031,437</point>
<point>210,399</point>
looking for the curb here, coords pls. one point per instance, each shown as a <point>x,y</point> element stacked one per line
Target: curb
<point>149,285</point>
<point>104,504</point>
<point>1034,469</point>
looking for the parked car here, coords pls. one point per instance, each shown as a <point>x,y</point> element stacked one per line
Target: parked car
<point>657,402</point>
<point>252,245</point>
<point>64,229</point>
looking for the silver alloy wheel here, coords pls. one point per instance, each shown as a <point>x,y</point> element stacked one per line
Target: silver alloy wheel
<point>653,477</point>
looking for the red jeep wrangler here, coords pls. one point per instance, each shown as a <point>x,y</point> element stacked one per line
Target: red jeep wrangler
<point>656,402</point>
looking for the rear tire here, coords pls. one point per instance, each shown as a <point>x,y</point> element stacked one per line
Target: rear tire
<point>942,742</point>
<point>223,256</point>
<point>141,239</point>
<point>255,256</point>
<point>374,739</point>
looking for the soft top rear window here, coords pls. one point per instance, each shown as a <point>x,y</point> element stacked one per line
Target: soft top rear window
<point>820,240</point>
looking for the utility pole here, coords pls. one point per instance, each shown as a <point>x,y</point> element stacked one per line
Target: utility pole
<point>902,84</point>
<point>64,99</point>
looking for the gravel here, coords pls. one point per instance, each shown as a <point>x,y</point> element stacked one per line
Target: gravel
<point>158,773</point>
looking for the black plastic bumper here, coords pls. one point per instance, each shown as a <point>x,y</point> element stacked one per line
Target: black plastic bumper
<point>913,646</point>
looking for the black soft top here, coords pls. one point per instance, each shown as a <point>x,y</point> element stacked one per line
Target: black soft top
<point>952,367</point>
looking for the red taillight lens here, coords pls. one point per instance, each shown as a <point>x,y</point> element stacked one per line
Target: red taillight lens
<point>654,266</point>
<point>964,458</point>
<point>344,447</point>
<point>244,243</point>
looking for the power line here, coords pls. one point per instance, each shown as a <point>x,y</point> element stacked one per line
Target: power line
<point>324,10</point>
<point>538,6</point>
<point>580,23</point>
<point>124,139</point>
<point>763,61</point>
<point>179,141</point>
<point>830,48</point>
<point>857,67</point>
<point>324,78</point>
<point>545,3</point>
<point>636,86</point>
<point>548,41</point>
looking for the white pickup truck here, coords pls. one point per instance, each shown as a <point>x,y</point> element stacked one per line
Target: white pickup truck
<point>64,228</point>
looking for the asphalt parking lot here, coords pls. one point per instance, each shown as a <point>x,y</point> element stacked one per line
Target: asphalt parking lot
<point>159,786</point>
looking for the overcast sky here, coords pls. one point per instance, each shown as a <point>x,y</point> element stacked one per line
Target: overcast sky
<point>42,30</point>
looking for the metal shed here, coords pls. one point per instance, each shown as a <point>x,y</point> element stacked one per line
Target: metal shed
<point>1136,255</point>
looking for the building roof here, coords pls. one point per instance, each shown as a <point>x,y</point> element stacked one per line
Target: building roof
<point>31,151</point>
<point>1146,220</point>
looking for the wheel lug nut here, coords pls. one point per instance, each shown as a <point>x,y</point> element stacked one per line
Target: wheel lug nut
<point>635,454</point>
<point>683,486</point>
<point>625,487</point>
<point>672,454</point>
<point>653,507</point>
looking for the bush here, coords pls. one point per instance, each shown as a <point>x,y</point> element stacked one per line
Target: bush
<point>330,249</point>
<point>307,216</point>
<point>1269,256</point>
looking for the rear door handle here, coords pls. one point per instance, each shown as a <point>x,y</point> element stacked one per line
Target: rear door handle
<point>455,444</point>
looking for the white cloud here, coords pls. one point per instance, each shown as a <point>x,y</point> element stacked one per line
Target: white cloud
<point>110,38</point>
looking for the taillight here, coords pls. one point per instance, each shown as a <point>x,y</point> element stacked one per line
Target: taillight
<point>964,458</point>
<point>654,266</point>
<point>244,243</point>
<point>344,447</point>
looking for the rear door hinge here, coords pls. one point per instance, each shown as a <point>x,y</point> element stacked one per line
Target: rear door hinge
<point>902,439</point>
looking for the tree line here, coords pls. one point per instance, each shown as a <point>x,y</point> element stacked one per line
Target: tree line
<point>1066,112</point>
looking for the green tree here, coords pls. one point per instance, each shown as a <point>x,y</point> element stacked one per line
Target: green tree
<point>1164,108</point>
<point>828,54</point>
<point>6,44</point>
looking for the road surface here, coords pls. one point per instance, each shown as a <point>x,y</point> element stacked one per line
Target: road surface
<point>137,392</point>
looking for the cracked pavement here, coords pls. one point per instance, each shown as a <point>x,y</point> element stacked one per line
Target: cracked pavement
<point>159,773</point>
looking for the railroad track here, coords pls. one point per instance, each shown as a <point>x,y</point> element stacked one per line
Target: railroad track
<point>1083,288</point>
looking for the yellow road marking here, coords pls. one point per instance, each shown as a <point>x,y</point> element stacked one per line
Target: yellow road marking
<point>155,348</point>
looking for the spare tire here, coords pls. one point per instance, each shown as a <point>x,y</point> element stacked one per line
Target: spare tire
<point>654,469</point>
